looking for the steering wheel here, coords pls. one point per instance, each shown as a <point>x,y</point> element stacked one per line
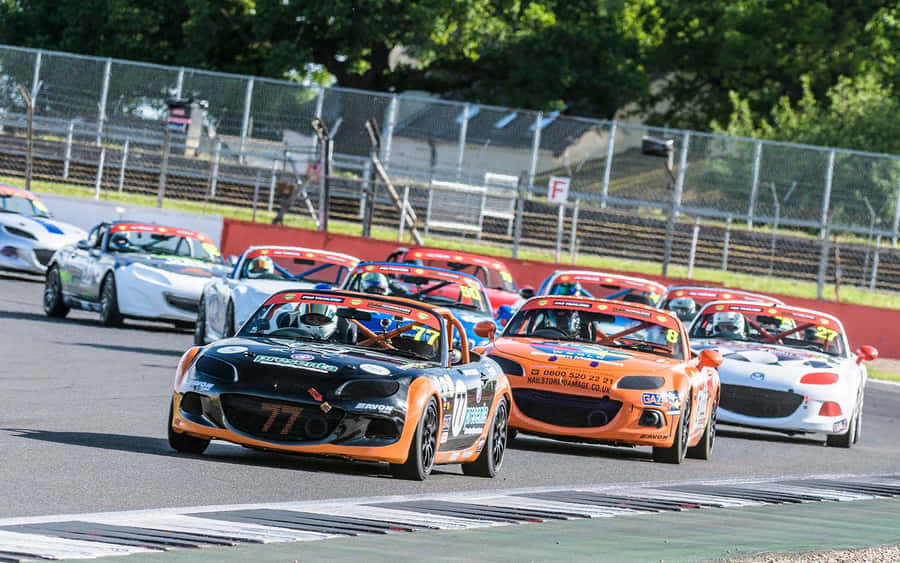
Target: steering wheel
<point>550,332</point>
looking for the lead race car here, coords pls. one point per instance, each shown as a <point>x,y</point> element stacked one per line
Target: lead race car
<point>602,285</point>
<point>29,235</point>
<point>133,270</point>
<point>305,375</point>
<point>228,301</point>
<point>609,372</point>
<point>785,369</point>
<point>463,295</point>
<point>687,300</point>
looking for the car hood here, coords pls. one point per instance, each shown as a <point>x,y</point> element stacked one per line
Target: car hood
<point>579,355</point>
<point>49,232</point>
<point>172,264</point>
<point>264,288</point>
<point>753,363</point>
<point>295,365</point>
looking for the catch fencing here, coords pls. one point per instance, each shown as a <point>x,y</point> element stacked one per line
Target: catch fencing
<point>469,170</point>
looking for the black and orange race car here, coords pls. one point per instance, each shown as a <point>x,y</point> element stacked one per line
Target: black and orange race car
<point>608,372</point>
<point>308,374</point>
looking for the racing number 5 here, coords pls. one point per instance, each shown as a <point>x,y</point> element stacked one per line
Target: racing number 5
<point>276,410</point>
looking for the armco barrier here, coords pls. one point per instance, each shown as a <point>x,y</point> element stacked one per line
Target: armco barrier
<point>865,325</point>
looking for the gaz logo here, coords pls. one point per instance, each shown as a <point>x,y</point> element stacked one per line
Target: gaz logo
<point>652,399</point>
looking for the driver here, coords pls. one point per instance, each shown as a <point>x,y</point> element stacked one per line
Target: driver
<point>568,288</point>
<point>317,321</point>
<point>119,241</point>
<point>567,321</point>
<point>728,324</point>
<point>374,282</point>
<point>684,307</point>
<point>261,266</point>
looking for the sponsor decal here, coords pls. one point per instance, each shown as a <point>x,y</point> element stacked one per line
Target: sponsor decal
<point>478,392</point>
<point>231,350</point>
<point>314,394</point>
<point>292,363</point>
<point>745,308</point>
<point>202,385</point>
<point>470,371</point>
<point>445,429</point>
<point>384,409</point>
<point>839,426</point>
<point>356,301</point>
<point>652,399</point>
<point>374,369</point>
<point>757,376</point>
<point>392,308</point>
<point>584,381</point>
<point>477,416</point>
<point>325,407</point>
<point>460,399</point>
<point>325,298</point>
<point>304,357</point>
<point>290,296</point>
<point>633,312</point>
<point>575,351</point>
<point>577,304</point>
<point>654,436</point>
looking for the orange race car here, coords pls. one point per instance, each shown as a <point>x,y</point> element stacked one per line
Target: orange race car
<point>609,372</point>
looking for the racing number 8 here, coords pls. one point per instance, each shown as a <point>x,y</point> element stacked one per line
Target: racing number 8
<point>672,336</point>
<point>825,333</point>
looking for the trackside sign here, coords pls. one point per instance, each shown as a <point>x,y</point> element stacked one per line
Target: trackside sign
<point>558,190</point>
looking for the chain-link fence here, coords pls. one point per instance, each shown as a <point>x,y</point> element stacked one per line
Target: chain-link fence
<point>739,204</point>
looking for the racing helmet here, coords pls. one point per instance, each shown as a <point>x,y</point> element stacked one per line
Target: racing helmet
<point>374,282</point>
<point>119,241</point>
<point>728,324</point>
<point>567,288</point>
<point>317,321</point>
<point>568,321</point>
<point>684,307</point>
<point>260,266</point>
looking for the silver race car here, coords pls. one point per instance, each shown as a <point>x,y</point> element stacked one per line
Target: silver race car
<point>28,233</point>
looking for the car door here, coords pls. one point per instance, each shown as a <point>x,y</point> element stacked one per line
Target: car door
<point>472,396</point>
<point>75,268</point>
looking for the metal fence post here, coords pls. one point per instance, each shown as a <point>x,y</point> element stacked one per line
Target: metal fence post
<point>874,279</point>
<point>99,172</point>
<point>682,168</point>
<point>573,233</point>
<point>391,122</point>
<point>255,194</point>
<point>214,176</point>
<point>754,186</point>
<point>272,184</point>
<point>163,168</point>
<point>245,121</point>
<point>179,82</point>
<point>36,79</point>
<point>535,148</point>
<point>520,211</point>
<point>104,94</point>
<point>461,150</point>
<point>826,199</point>
<point>693,253</point>
<point>29,149</point>
<point>320,102</point>
<point>725,243</point>
<point>69,133</point>
<point>364,188</point>
<point>124,164</point>
<point>560,223</point>
<point>823,261</point>
<point>896,225</point>
<point>607,168</point>
<point>403,213</point>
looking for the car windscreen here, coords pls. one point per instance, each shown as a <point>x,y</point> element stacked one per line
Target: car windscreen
<point>438,288</point>
<point>163,242</point>
<point>746,323</point>
<point>604,287</point>
<point>294,265</point>
<point>602,324</point>
<point>23,206</point>
<point>371,323</point>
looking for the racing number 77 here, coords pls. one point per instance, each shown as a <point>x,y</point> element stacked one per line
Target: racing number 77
<point>276,410</point>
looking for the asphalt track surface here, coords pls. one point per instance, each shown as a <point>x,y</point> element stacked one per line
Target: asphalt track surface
<point>83,429</point>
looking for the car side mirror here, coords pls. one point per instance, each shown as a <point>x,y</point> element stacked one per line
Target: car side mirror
<point>485,329</point>
<point>527,292</point>
<point>866,354</point>
<point>710,358</point>
<point>83,245</point>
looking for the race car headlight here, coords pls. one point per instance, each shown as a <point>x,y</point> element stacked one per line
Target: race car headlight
<point>215,368</point>
<point>819,378</point>
<point>366,388</point>
<point>641,382</point>
<point>149,275</point>
<point>19,232</point>
<point>509,367</point>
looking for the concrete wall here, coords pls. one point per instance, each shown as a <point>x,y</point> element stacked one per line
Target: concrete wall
<point>86,213</point>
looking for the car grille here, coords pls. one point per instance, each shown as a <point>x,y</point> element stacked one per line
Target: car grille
<point>572,411</point>
<point>758,402</point>
<point>183,303</point>
<point>43,255</point>
<point>279,421</point>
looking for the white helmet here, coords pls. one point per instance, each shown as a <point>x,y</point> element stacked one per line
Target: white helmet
<point>728,324</point>
<point>317,321</point>
<point>684,307</point>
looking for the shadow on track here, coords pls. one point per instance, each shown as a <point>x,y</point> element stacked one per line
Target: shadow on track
<point>541,445</point>
<point>763,437</point>
<point>22,316</point>
<point>138,349</point>
<point>218,453</point>
<point>21,276</point>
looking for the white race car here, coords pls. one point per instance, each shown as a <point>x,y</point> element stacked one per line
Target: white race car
<point>687,300</point>
<point>261,271</point>
<point>135,270</point>
<point>28,234</point>
<point>785,369</point>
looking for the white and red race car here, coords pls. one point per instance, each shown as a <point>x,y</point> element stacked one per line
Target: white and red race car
<point>261,271</point>
<point>785,369</point>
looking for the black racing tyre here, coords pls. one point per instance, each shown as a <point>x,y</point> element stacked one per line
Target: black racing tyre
<point>423,448</point>
<point>200,325</point>
<point>844,440</point>
<point>859,413</point>
<point>109,302</point>
<point>54,305</point>
<point>491,457</point>
<point>511,434</point>
<point>228,330</point>
<point>182,442</point>
<point>704,448</point>
<point>676,452</point>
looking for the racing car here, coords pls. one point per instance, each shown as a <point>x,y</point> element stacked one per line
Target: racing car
<point>133,270</point>
<point>306,375</point>
<point>785,369</point>
<point>28,234</point>
<point>261,271</point>
<point>462,294</point>
<point>687,300</point>
<point>493,274</point>
<point>608,372</point>
<point>602,285</point>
